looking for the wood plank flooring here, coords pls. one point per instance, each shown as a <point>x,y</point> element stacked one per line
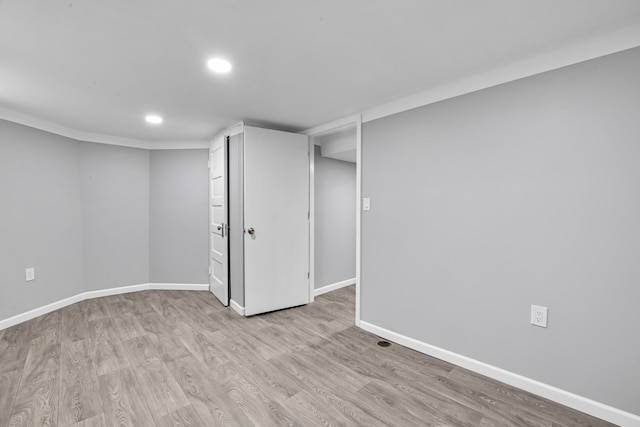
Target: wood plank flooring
<point>179,358</point>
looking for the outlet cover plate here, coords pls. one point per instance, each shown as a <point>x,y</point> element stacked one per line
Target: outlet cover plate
<point>539,316</point>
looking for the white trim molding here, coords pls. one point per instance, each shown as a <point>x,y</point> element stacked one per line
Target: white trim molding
<point>580,403</point>
<point>353,121</point>
<point>47,126</point>
<point>358,217</point>
<point>334,126</point>
<point>23,317</point>
<point>334,286</point>
<point>179,286</point>
<point>237,307</point>
<point>233,130</point>
<point>321,130</point>
<point>178,145</point>
<point>312,218</point>
<point>596,47</point>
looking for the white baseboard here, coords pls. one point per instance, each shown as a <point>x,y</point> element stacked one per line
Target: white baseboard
<point>563,397</point>
<point>114,291</point>
<point>179,286</point>
<point>23,317</point>
<point>333,287</point>
<point>237,307</point>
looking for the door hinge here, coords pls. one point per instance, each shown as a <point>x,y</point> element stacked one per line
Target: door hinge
<point>209,270</point>
<point>209,164</point>
<point>308,275</point>
<point>308,215</point>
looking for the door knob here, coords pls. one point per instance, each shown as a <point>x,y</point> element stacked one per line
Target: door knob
<point>251,231</point>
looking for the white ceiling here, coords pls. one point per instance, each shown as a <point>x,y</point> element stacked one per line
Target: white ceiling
<point>96,67</point>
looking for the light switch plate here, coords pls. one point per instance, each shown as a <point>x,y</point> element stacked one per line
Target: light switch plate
<point>366,204</point>
<point>30,274</point>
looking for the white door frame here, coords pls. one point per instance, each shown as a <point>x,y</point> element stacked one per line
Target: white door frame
<point>313,133</point>
<point>230,131</point>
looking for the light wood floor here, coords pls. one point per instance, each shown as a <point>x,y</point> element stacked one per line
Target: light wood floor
<point>178,358</point>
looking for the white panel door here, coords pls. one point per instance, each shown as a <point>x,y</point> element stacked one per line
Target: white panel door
<point>276,208</point>
<point>218,241</point>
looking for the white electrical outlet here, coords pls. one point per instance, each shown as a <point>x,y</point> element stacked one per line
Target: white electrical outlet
<point>30,274</point>
<point>539,316</point>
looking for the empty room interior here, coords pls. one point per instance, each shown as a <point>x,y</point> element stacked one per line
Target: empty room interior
<point>234,212</point>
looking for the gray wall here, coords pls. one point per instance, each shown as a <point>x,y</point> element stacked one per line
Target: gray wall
<point>179,222</point>
<point>80,213</point>
<point>40,218</point>
<point>526,193</point>
<point>115,201</point>
<point>335,220</point>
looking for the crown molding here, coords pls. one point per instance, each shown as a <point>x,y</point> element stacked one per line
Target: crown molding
<point>232,130</point>
<point>177,145</point>
<point>598,46</point>
<point>333,126</point>
<point>44,125</point>
<point>601,45</point>
<point>47,126</point>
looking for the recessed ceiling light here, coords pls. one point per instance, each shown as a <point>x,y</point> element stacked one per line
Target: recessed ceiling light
<point>155,120</point>
<point>219,65</point>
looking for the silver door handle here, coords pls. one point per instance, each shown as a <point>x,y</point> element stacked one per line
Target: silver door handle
<point>251,231</point>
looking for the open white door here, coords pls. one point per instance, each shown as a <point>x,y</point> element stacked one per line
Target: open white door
<point>276,218</point>
<point>218,241</point>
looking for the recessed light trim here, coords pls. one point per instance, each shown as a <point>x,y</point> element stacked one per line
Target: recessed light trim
<point>153,119</point>
<point>219,65</point>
